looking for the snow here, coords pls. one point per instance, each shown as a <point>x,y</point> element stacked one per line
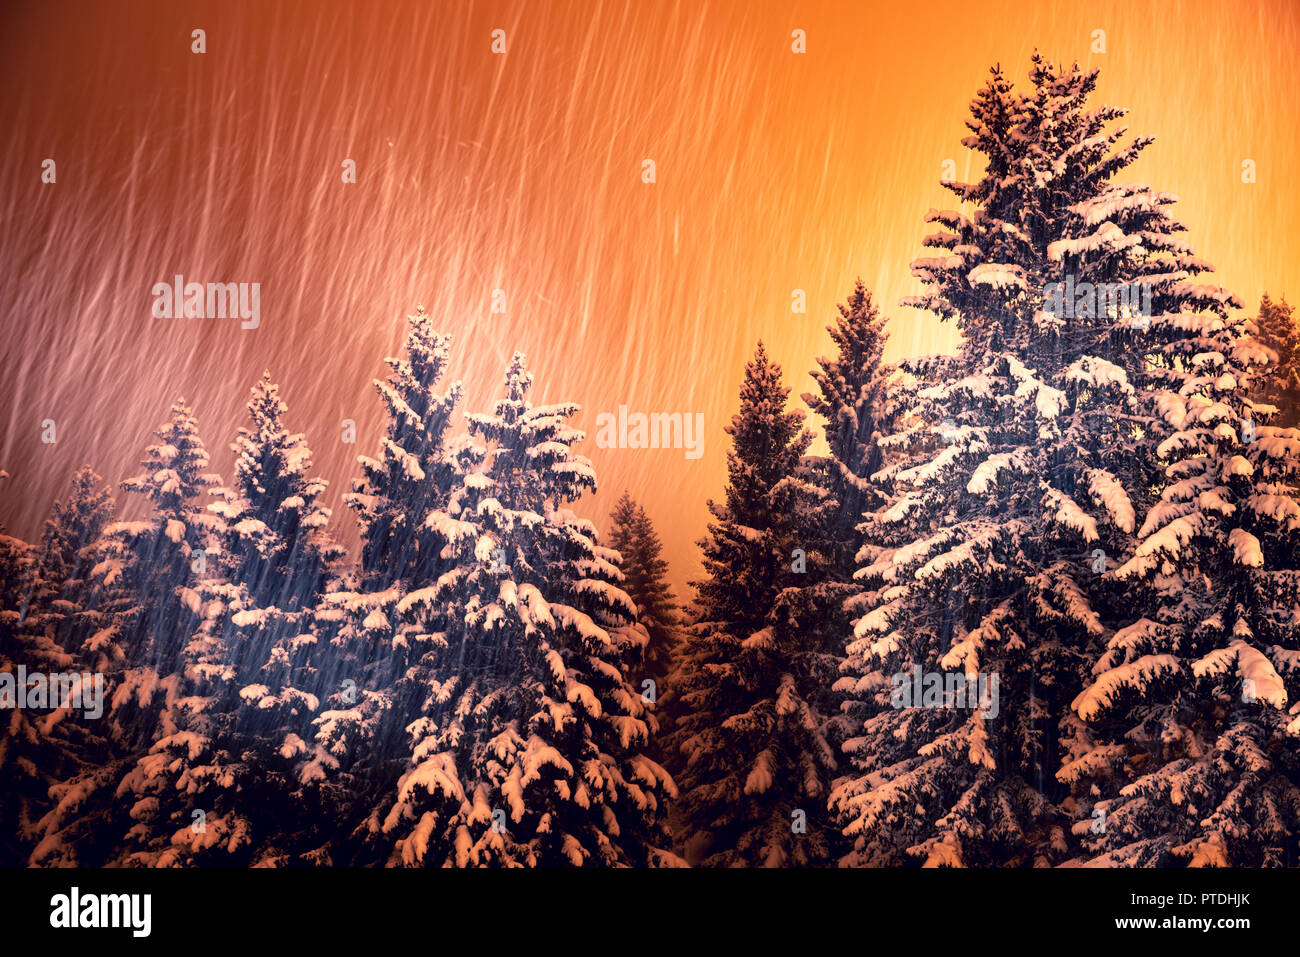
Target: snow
<point>436,775</point>
<point>968,554</point>
<point>1049,401</point>
<point>1252,666</point>
<point>449,529</point>
<point>1237,465</point>
<point>1068,513</point>
<point>1245,548</point>
<point>409,464</point>
<point>129,529</point>
<point>1107,236</point>
<point>1098,373</point>
<point>761,774</point>
<point>997,275</point>
<point>928,473</point>
<point>1279,508</point>
<point>1109,492</point>
<point>1104,693</point>
<point>1117,199</point>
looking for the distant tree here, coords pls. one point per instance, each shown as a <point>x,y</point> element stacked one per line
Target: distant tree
<point>1280,386</point>
<point>70,549</point>
<point>145,581</point>
<point>755,766</point>
<point>645,572</point>
<point>853,399</point>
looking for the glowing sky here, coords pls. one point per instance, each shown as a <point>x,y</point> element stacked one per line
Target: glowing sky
<point>523,172</point>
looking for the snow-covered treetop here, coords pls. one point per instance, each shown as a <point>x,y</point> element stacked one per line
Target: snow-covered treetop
<point>173,469</point>
<point>1047,211</point>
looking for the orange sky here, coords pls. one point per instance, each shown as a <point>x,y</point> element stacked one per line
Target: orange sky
<point>522,172</point>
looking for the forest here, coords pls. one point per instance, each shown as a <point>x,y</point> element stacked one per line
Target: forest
<point>1037,604</point>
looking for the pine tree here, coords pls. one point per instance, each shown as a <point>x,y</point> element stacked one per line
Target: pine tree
<point>40,747</point>
<point>145,592</point>
<point>416,468</point>
<point>528,750</point>
<point>69,552</point>
<point>240,707</point>
<point>356,750</point>
<point>17,574</point>
<point>169,550</point>
<point>1186,753</point>
<point>25,751</point>
<point>1280,386</point>
<point>1020,468</point>
<point>756,766</point>
<point>853,400</point>
<point>633,536</point>
<point>284,562</point>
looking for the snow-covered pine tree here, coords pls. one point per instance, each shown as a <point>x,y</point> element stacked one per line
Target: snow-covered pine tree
<point>69,551</point>
<point>755,764</point>
<point>416,468</point>
<point>166,552</point>
<point>25,752</point>
<point>42,746</point>
<point>1187,751</point>
<point>853,399</point>
<point>357,749</point>
<point>528,750</point>
<point>289,562</point>
<point>632,534</point>
<point>248,682</point>
<point>1278,329</point>
<point>277,562</point>
<point>273,528</point>
<point>145,580</point>
<point>17,574</point>
<point>1020,470</point>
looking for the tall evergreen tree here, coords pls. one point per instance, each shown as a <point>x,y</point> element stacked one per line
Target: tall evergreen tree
<point>756,766</point>
<point>145,580</point>
<point>26,753</point>
<point>243,711</point>
<point>416,468</point>
<point>853,400</point>
<point>69,551</point>
<point>1020,469</point>
<point>357,747</point>
<point>528,751</point>
<point>54,611</point>
<point>168,551</point>
<point>1186,751</point>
